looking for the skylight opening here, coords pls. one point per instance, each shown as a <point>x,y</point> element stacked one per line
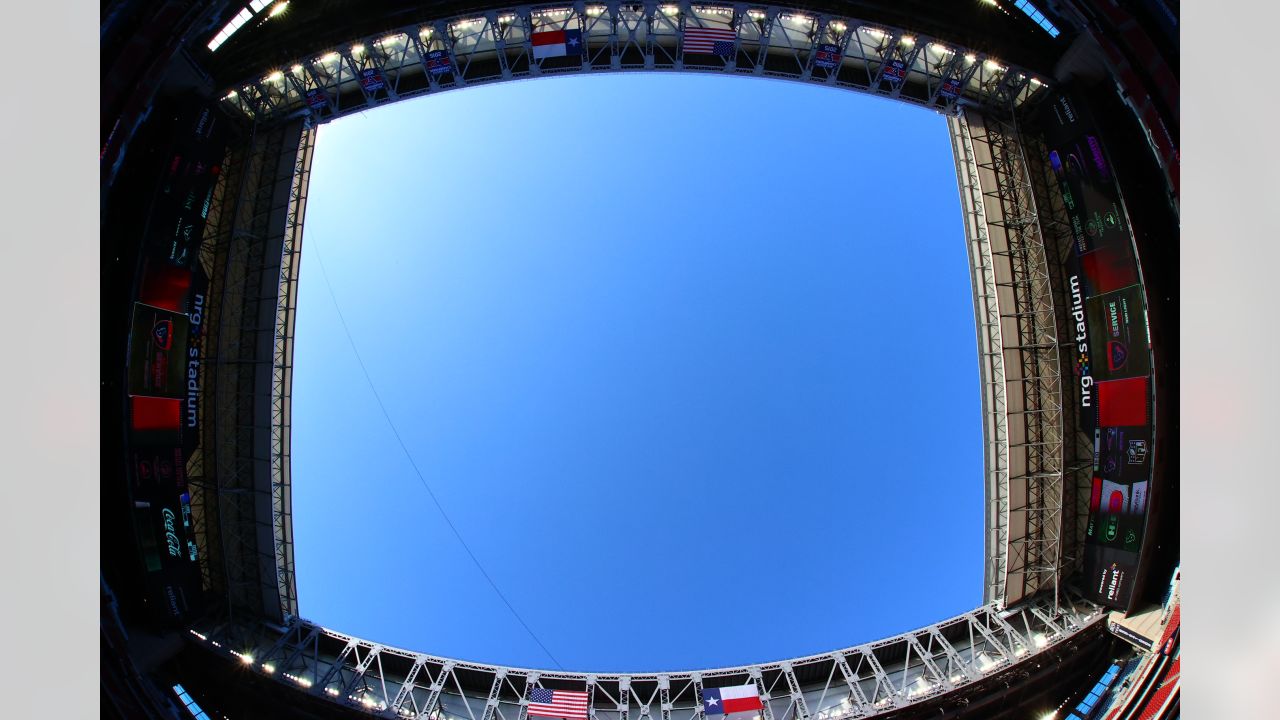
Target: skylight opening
<point>245,15</point>
<point>1037,17</point>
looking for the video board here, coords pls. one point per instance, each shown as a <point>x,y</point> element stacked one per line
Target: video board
<point>165,360</point>
<point>1109,351</point>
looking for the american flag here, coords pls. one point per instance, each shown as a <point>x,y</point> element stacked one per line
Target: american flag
<point>558,703</point>
<point>710,41</point>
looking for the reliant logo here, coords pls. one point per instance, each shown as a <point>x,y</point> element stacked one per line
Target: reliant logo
<point>162,333</point>
<point>1082,343</point>
<point>1114,586</point>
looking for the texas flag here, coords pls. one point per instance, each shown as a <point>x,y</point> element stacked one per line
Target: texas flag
<point>556,43</point>
<point>725,700</point>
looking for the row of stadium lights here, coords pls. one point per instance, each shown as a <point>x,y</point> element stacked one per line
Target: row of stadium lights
<point>358,49</point>
<point>920,687</point>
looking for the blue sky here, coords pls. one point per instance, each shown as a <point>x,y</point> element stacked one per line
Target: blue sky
<point>688,360</point>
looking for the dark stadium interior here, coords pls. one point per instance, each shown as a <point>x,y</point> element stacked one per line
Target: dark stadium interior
<point>1119,59</point>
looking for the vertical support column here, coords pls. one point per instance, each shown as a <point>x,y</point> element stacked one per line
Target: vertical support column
<point>797,697</point>
<point>437,685</point>
<point>758,679</point>
<point>624,697</point>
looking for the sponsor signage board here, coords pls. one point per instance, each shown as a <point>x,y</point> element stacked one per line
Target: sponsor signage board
<point>1109,349</point>
<point>157,351</point>
<point>827,56</point>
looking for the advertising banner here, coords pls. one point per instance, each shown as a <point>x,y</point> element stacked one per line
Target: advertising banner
<point>157,352</point>
<point>1110,350</point>
<point>1122,454</point>
<point>950,89</point>
<point>827,56</point>
<point>438,62</point>
<point>371,79</point>
<point>317,99</point>
<point>895,71</point>
<point>166,537</point>
<point>1119,343</point>
<point>183,199</point>
<point>1109,575</point>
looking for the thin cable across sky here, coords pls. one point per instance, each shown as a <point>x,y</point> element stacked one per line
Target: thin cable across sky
<point>685,364</point>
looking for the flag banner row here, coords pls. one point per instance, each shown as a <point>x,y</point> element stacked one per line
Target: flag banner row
<point>573,704</point>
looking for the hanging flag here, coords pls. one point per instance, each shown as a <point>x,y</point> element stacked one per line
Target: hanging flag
<point>709,41</point>
<point>950,88</point>
<point>568,704</point>
<point>725,700</point>
<point>371,79</point>
<point>827,56</point>
<point>556,43</point>
<point>895,71</point>
<point>438,62</point>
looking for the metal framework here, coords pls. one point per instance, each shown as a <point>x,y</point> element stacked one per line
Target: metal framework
<point>852,682</point>
<point>495,45</point>
<point>241,481</point>
<point>1021,372</point>
<point>240,478</point>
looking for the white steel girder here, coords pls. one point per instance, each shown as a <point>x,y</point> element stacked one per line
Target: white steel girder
<point>495,45</point>
<point>854,682</point>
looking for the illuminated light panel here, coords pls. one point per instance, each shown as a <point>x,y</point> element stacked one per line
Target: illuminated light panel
<point>273,77</point>
<point>839,26</point>
<point>971,57</point>
<point>1037,17</point>
<point>595,10</point>
<point>331,57</point>
<point>296,68</point>
<point>907,40</point>
<point>278,8</point>
<point>357,49</point>
<point>230,28</point>
<point>873,32</point>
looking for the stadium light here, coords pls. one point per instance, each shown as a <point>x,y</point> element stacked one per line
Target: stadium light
<point>278,8</point>
<point>595,10</point>
<point>907,40</point>
<point>296,69</point>
<point>839,26</point>
<point>1040,640</point>
<point>273,77</point>
<point>357,49</point>
<point>670,9</point>
<point>269,668</point>
<point>971,58</point>
<point>993,65</point>
<point>756,14</point>
<point>330,57</point>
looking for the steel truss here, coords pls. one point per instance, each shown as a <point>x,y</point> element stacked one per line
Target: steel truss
<point>854,682</point>
<point>240,478</point>
<point>493,46</point>
<point>1077,445</point>
<point>1020,368</point>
